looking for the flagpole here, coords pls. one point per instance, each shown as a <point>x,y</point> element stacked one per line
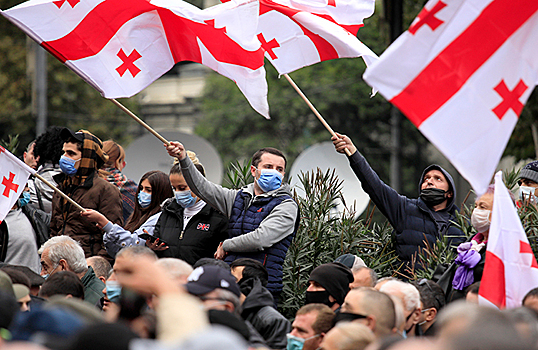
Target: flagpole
<point>321,119</point>
<point>140,121</point>
<point>59,192</point>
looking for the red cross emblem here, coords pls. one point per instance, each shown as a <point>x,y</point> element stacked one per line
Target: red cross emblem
<point>10,186</point>
<point>332,3</point>
<point>428,17</point>
<point>525,248</point>
<point>203,227</point>
<point>268,46</point>
<point>510,98</point>
<point>2,149</point>
<point>60,3</point>
<point>128,63</point>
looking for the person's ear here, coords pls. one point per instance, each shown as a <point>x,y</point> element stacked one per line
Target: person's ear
<point>430,314</point>
<point>102,279</point>
<point>449,194</point>
<point>253,171</point>
<point>63,264</point>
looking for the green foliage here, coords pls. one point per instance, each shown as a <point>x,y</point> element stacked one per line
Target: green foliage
<point>324,235</point>
<point>238,174</point>
<point>12,144</point>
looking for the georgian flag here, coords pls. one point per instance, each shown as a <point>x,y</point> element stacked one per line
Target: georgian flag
<point>510,270</point>
<point>299,33</point>
<point>14,175</point>
<point>462,74</point>
<point>122,46</point>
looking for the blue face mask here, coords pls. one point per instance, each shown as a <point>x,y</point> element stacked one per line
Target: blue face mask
<point>185,198</point>
<point>113,291</point>
<point>25,199</point>
<point>67,165</point>
<point>144,199</point>
<point>296,343</point>
<point>269,180</point>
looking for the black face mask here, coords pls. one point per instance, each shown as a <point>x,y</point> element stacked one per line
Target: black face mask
<point>433,196</point>
<point>319,298</point>
<point>347,317</point>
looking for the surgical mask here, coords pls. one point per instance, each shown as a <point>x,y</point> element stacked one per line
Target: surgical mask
<point>480,219</point>
<point>296,343</point>
<point>526,193</point>
<point>320,297</point>
<point>433,196</point>
<point>67,165</point>
<point>185,198</point>
<point>269,180</point>
<point>144,199</point>
<point>48,274</point>
<point>347,317</point>
<point>113,291</point>
<point>25,199</point>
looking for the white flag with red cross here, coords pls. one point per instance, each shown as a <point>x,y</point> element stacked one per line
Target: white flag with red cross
<point>14,175</point>
<point>462,74</point>
<point>510,270</point>
<point>299,33</point>
<point>122,46</point>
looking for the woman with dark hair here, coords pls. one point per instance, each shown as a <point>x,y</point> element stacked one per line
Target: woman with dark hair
<point>111,171</point>
<point>190,228</point>
<point>154,188</point>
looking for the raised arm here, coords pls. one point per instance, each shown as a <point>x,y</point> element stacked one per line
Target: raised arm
<point>215,195</point>
<point>390,202</point>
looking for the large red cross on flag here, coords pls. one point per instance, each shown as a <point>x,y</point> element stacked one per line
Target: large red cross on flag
<point>13,177</point>
<point>510,270</point>
<point>299,33</point>
<point>461,74</point>
<point>122,46</point>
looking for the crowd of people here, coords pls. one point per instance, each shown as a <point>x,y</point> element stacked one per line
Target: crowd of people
<point>177,261</point>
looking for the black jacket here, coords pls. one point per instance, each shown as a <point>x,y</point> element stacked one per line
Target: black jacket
<point>258,310</point>
<point>200,238</point>
<point>412,219</point>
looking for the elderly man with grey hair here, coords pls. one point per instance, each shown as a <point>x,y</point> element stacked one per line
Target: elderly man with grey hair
<point>410,297</point>
<point>177,269</point>
<point>62,253</point>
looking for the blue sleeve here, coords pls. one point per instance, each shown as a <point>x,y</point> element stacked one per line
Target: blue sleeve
<point>116,237</point>
<point>389,202</point>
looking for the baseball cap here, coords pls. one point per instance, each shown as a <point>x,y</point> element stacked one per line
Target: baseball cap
<point>207,278</point>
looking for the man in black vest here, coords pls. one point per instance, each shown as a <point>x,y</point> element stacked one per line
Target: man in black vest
<point>263,217</point>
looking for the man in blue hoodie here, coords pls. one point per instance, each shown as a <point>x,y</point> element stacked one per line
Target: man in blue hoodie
<point>414,220</point>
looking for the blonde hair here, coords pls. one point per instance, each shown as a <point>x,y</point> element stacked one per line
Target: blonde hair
<point>176,169</point>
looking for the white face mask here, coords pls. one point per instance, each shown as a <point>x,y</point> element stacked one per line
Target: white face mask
<point>480,219</point>
<point>526,192</point>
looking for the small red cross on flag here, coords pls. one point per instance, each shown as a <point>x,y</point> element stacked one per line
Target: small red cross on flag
<point>510,98</point>
<point>269,46</point>
<point>128,63</point>
<point>203,227</point>
<point>428,17</point>
<point>14,175</point>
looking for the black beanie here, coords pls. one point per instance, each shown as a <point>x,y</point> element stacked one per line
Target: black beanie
<point>530,171</point>
<point>335,278</point>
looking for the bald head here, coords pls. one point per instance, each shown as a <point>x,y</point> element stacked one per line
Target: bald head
<point>376,305</point>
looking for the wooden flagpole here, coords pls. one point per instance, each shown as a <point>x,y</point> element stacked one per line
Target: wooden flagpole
<point>140,121</point>
<point>59,192</point>
<point>321,119</point>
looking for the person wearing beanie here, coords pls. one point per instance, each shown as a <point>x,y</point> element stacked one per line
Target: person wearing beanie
<point>329,285</point>
<point>528,183</point>
<point>83,156</point>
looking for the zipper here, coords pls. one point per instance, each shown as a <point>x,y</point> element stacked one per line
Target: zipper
<point>181,234</point>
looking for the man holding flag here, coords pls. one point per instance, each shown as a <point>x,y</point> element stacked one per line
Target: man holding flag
<point>83,156</point>
<point>416,222</point>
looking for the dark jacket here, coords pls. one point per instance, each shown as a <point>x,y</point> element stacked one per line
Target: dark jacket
<point>93,287</point>
<point>258,310</point>
<point>245,219</point>
<point>413,221</point>
<point>201,237</point>
<point>94,193</point>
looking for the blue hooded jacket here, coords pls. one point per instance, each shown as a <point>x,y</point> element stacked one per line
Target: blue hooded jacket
<point>413,221</point>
